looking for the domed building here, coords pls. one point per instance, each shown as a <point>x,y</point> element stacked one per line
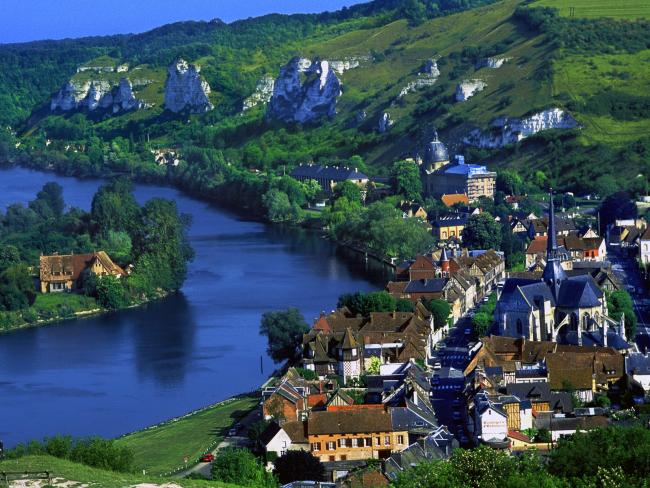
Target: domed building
<point>441,177</point>
<point>436,155</point>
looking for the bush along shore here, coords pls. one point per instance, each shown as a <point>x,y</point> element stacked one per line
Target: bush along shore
<point>143,255</point>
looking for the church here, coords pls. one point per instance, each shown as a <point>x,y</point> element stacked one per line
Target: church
<point>557,307</point>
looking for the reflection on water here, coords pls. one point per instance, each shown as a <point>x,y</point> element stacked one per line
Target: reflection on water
<point>115,373</point>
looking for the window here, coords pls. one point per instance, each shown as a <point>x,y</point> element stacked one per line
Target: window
<point>386,440</point>
<point>400,439</point>
<point>368,441</point>
<point>344,457</point>
<point>520,327</point>
<point>342,442</point>
<point>354,353</point>
<point>331,446</point>
<point>315,446</point>
<point>332,459</point>
<point>377,441</point>
<point>355,442</point>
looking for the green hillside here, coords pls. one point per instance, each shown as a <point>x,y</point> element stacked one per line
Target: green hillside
<point>618,9</point>
<point>67,473</point>
<point>593,67</point>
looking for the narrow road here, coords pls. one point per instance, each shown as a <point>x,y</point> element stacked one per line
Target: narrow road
<point>239,440</point>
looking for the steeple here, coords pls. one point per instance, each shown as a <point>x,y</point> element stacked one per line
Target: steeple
<point>444,261</point>
<point>553,273</point>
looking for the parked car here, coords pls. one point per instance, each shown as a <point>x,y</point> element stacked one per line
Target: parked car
<point>437,365</point>
<point>468,331</point>
<point>207,458</point>
<point>232,432</point>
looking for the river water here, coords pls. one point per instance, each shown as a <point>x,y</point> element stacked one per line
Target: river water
<point>115,373</point>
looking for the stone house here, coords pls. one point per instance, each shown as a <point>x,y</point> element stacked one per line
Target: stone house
<point>62,273</point>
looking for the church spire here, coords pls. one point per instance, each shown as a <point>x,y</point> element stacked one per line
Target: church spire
<point>551,245</point>
<point>553,273</point>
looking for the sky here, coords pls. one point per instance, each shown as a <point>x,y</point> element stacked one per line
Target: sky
<point>29,20</point>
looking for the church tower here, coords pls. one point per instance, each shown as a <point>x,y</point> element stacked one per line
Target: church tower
<point>553,274</point>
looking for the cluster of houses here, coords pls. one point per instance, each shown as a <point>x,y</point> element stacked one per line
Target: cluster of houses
<point>391,417</point>
<point>521,386</point>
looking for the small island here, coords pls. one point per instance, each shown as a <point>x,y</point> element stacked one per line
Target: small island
<point>58,263</point>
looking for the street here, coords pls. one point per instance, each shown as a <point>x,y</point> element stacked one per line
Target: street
<point>626,270</point>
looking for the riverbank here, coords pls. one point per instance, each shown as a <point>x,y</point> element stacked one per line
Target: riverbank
<point>53,308</point>
<point>240,206</point>
<point>172,446</point>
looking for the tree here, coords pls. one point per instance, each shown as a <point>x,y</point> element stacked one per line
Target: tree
<point>509,182</point>
<point>162,235</point>
<point>374,366</point>
<point>284,330</point>
<point>114,208</point>
<point>481,323</point>
<point>111,293</point>
<point>49,201</point>
<point>482,232</point>
<point>16,288</point>
<point>620,303</point>
<point>364,303</point>
<point>9,255</point>
<point>616,206</point>
<point>348,190</point>
<point>298,466</point>
<point>279,208</point>
<point>405,180</point>
<point>440,309</point>
<point>241,467</point>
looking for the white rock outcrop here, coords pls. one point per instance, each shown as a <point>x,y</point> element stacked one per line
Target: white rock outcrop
<point>427,77</point>
<point>185,90</point>
<point>340,66</point>
<point>304,94</point>
<point>262,94</point>
<point>385,123</point>
<point>94,95</point>
<point>469,88</point>
<point>492,63</point>
<point>504,130</point>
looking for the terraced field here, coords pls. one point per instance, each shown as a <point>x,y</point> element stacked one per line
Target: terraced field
<point>618,9</point>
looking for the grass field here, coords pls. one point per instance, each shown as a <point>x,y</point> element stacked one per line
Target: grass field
<point>580,77</point>
<point>161,449</point>
<point>67,472</point>
<point>619,9</point>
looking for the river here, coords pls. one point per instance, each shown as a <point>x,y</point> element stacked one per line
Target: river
<point>116,373</point>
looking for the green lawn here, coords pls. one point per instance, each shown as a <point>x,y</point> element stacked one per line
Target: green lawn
<point>52,301</point>
<point>72,472</point>
<point>161,449</point>
<point>620,9</point>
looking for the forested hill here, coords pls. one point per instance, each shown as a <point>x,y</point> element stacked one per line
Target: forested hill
<point>529,66</point>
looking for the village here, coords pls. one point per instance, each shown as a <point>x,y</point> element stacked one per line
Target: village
<point>468,351</point>
<point>472,353</point>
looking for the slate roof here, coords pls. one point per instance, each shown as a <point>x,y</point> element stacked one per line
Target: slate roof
<point>426,286</point>
<point>332,173</point>
<point>541,392</point>
<point>360,421</point>
<point>595,338</point>
<point>451,220</point>
<point>579,292</point>
<point>637,363</point>
<point>269,433</point>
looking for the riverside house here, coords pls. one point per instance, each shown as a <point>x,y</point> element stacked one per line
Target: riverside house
<point>354,433</point>
<point>59,273</point>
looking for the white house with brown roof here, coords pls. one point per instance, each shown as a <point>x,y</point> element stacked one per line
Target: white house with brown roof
<point>59,273</point>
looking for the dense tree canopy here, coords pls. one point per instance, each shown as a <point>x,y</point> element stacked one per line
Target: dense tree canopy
<point>482,232</point>
<point>284,330</point>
